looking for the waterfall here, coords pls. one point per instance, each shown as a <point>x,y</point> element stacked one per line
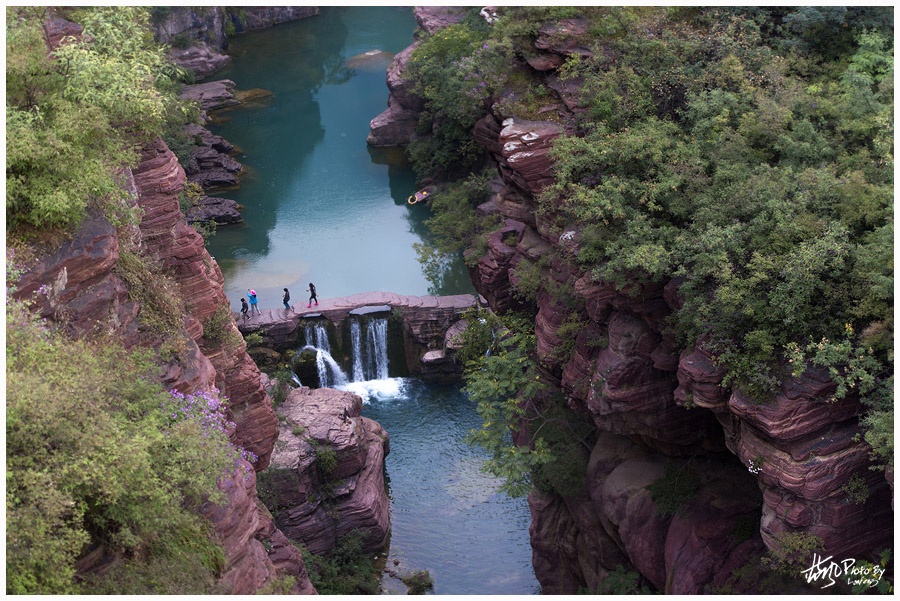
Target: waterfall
<point>377,342</point>
<point>330,373</point>
<point>358,372</point>
<point>369,343</point>
<point>317,336</point>
<point>370,352</point>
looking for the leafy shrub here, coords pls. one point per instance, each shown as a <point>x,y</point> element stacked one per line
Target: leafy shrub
<point>456,85</point>
<point>326,460</point>
<point>281,585</point>
<point>530,277</point>
<point>283,384</point>
<point>504,383</point>
<point>880,435</point>
<point>856,489</point>
<point>161,306</point>
<point>99,453</point>
<point>791,551</point>
<point>253,339</point>
<point>267,485</point>
<point>75,118</point>
<point>568,439</point>
<point>348,570</point>
<point>219,328</point>
<point>453,225</point>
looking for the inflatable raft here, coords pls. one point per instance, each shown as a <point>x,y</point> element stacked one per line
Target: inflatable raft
<point>419,196</point>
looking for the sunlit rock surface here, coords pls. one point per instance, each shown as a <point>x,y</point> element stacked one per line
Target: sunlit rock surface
<point>327,472</point>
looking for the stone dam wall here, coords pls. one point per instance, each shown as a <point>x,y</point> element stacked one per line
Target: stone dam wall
<point>422,330</point>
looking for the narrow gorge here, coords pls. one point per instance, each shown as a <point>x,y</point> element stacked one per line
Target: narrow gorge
<point>679,461</point>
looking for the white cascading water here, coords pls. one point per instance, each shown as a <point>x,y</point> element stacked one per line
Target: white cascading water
<point>370,353</point>
<point>330,373</point>
<point>317,336</point>
<point>370,359</point>
<point>376,344</point>
<point>358,372</point>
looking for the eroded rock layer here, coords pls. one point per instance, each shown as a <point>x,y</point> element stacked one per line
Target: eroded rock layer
<point>84,286</point>
<point>327,474</point>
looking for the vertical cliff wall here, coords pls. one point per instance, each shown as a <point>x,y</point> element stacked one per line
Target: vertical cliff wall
<point>764,470</point>
<point>757,471</point>
<point>79,285</point>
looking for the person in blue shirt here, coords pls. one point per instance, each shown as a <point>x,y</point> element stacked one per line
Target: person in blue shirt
<point>254,302</point>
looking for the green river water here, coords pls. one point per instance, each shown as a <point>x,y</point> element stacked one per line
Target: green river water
<point>321,206</point>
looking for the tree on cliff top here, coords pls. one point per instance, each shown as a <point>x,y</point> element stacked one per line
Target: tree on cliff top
<point>740,154</point>
<point>76,116</point>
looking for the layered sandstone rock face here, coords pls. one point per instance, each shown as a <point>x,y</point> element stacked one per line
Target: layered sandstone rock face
<point>763,469</point>
<point>326,480</point>
<point>256,553</point>
<point>80,286</point>
<point>524,157</point>
<point>202,60</point>
<point>396,126</point>
<point>179,249</point>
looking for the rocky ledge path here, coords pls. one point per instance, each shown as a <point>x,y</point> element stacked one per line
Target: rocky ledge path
<point>336,309</point>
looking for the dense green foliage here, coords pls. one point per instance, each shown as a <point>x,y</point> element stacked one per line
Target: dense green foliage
<point>99,454</point>
<point>759,181</point>
<point>511,394</point>
<point>446,72</point>
<point>455,226</point>
<point>74,118</point>
<point>746,153</point>
<point>348,570</point>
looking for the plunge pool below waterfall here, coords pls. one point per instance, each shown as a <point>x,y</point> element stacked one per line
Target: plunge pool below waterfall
<point>447,516</point>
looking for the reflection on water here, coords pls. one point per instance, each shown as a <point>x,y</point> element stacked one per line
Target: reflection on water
<point>446,514</point>
<point>319,204</point>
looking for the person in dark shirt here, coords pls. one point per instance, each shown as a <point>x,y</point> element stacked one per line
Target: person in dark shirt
<point>286,298</point>
<point>312,295</point>
<point>244,308</point>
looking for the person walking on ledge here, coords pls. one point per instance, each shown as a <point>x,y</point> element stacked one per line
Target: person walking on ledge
<point>244,308</point>
<point>254,302</point>
<point>312,296</point>
<point>286,298</point>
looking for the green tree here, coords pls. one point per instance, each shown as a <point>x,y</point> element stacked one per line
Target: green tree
<point>746,154</point>
<point>98,453</point>
<point>75,119</point>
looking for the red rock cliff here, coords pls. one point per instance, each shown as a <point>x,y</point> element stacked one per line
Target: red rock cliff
<point>783,466</point>
<point>79,285</point>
